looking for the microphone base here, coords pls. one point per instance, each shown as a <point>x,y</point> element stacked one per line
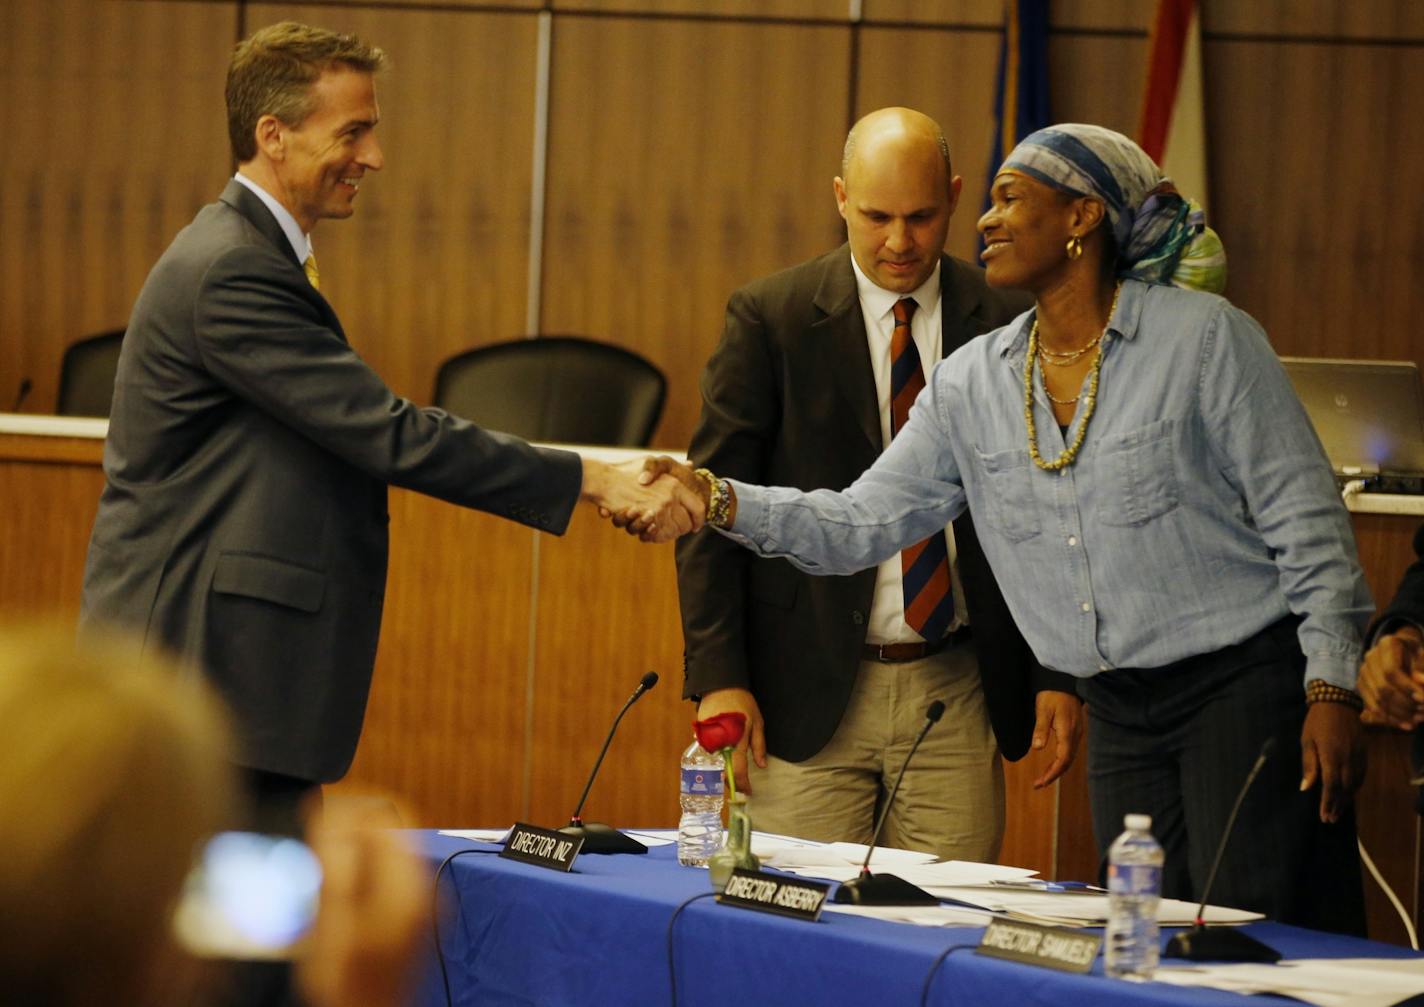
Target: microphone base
<point>600,838</point>
<point>1219,944</point>
<point>882,890</point>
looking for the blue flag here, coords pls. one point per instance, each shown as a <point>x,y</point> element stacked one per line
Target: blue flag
<point>1021,91</point>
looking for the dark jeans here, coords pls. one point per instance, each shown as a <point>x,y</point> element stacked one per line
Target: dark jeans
<point>1177,743</point>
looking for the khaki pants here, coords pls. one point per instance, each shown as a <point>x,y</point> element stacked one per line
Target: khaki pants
<point>951,801</point>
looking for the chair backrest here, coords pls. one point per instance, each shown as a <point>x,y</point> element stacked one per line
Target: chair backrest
<point>86,375</point>
<point>556,389</point>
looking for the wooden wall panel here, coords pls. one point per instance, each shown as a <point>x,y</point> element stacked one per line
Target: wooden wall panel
<point>446,729</point>
<point>1388,19</point>
<point>988,13</point>
<point>49,489</point>
<point>1101,15</point>
<point>761,9</point>
<point>435,259</point>
<point>1097,79</point>
<point>114,137</point>
<point>1316,193</point>
<point>684,160</point>
<point>473,5</point>
<point>607,614</point>
<point>950,77</point>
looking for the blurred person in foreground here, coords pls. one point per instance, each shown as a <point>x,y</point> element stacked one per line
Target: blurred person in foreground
<point>115,769</point>
<point>1160,516</point>
<point>816,370</point>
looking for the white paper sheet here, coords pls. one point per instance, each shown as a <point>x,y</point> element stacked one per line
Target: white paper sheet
<point>929,876</point>
<point>1327,982</point>
<point>1074,909</point>
<point>921,916</point>
<point>478,835</point>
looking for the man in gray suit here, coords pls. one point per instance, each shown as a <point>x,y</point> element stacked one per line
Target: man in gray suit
<point>243,521</point>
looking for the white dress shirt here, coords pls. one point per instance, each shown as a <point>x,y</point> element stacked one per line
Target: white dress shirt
<point>887,610</point>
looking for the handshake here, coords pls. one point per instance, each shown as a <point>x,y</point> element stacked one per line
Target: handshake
<point>658,499</point>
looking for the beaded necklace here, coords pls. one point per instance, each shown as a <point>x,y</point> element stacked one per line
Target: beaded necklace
<point>1090,404</point>
<point>1066,357</point>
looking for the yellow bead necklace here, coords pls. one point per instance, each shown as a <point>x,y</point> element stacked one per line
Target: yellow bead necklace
<point>1089,405</point>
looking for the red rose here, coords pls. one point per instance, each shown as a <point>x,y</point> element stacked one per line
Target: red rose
<point>722,732</point>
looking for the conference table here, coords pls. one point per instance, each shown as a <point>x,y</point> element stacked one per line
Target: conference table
<point>643,930</point>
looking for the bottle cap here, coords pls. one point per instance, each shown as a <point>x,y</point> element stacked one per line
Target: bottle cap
<point>1137,823</point>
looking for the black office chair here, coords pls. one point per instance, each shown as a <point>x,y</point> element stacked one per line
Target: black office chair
<point>86,375</point>
<point>561,389</point>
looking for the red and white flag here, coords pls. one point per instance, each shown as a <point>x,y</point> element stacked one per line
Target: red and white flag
<point>1173,126</point>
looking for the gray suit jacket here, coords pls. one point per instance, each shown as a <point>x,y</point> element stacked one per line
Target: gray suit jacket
<point>789,400</point>
<point>243,521</point>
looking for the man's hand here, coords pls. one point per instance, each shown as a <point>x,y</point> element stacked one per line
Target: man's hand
<point>658,469</point>
<point>734,700</point>
<point>1332,752</point>
<point>1058,715</point>
<point>662,509</point>
<point>1392,680</point>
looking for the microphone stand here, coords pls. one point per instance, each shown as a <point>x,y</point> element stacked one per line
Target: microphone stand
<point>887,889</point>
<point>597,837</point>
<point>1224,944</point>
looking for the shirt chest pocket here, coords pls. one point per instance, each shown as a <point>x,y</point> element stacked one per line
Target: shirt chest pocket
<point>1139,476</point>
<point>1008,495</point>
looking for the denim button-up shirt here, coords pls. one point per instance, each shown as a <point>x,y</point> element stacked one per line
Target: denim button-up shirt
<point>1200,510</point>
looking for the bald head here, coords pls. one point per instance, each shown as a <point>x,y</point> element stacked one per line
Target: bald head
<point>901,128</point>
<point>897,194</point>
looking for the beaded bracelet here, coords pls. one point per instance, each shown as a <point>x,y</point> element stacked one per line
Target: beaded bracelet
<point>719,498</point>
<point>1320,691</point>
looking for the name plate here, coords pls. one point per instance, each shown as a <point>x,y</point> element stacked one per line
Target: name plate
<point>773,893</point>
<point>1049,947</point>
<point>541,847</point>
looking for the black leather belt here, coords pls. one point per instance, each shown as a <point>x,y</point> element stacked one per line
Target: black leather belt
<point>894,653</point>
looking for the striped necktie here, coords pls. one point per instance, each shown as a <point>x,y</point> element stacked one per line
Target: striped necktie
<point>309,267</point>
<point>924,567</point>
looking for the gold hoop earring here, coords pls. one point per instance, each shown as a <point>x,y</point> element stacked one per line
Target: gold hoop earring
<point>1075,248</point>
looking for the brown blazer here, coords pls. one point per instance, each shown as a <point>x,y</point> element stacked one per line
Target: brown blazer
<point>789,400</point>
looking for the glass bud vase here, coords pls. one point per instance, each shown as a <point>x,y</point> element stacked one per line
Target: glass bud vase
<point>736,848</point>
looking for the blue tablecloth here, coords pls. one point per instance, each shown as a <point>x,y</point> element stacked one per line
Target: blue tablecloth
<point>513,933</point>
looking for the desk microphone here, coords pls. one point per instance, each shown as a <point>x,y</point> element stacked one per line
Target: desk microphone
<point>1224,944</point>
<point>886,889</point>
<point>25,385</point>
<point>599,838</point>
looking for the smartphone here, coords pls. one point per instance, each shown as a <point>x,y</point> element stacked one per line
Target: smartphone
<point>249,896</point>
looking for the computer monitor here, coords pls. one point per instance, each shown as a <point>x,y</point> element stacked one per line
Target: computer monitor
<point>1369,414</point>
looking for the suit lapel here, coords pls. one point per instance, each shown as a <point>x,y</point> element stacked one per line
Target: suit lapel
<point>843,329</point>
<point>245,201</point>
<point>958,307</point>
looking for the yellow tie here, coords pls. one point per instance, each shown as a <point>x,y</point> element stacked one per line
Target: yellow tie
<point>311,271</point>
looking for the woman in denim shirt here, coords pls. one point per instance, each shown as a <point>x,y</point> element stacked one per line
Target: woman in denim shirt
<point>1159,514</point>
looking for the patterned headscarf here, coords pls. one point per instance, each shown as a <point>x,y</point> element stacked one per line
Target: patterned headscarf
<point>1161,235</point>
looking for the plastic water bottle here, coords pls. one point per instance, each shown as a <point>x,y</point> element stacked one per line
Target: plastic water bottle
<point>1134,889</point>
<point>699,832</point>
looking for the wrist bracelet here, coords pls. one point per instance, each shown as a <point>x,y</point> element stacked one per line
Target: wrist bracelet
<point>1318,690</point>
<point>719,498</point>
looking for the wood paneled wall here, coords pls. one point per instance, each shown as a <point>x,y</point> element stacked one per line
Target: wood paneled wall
<point>691,145</point>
